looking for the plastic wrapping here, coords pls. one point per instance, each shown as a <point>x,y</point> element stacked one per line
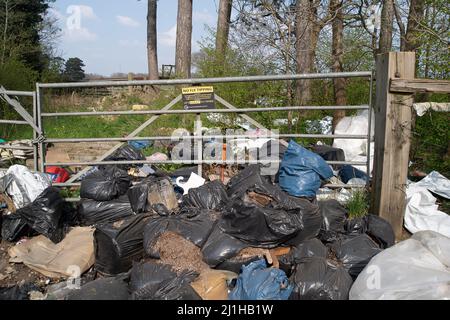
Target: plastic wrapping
<point>105,184</point>
<point>417,268</point>
<point>195,227</point>
<point>376,227</point>
<point>316,278</point>
<point>93,212</point>
<point>334,219</point>
<point>146,278</point>
<point>257,282</point>
<point>118,244</point>
<point>47,214</point>
<point>220,247</point>
<point>18,292</point>
<point>209,196</point>
<point>22,185</point>
<point>301,171</point>
<point>355,252</point>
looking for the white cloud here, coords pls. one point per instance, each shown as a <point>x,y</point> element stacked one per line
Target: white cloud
<point>168,38</point>
<point>203,17</point>
<point>79,35</point>
<point>127,21</point>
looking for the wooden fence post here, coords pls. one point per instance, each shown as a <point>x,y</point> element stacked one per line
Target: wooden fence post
<point>392,138</point>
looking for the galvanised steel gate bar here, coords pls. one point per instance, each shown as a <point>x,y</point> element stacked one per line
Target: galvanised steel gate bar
<point>40,115</point>
<point>27,118</point>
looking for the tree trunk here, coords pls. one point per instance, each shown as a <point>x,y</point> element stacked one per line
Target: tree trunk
<point>304,50</point>
<point>223,28</point>
<point>415,16</point>
<point>386,29</point>
<point>152,49</point>
<point>184,39</point>
<point>337,58</point>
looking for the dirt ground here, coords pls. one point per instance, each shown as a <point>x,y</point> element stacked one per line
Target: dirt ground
<point>12,274</point>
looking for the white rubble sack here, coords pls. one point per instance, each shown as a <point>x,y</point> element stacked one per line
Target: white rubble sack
<point>422,108</point>
<point>421,211</point>
<point>356,149</point>
<point>23,185</point>
<point>414,269</point>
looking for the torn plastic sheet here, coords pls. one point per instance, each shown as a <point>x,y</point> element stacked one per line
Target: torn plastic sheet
<point>422,212</point>
<point>436,183</point>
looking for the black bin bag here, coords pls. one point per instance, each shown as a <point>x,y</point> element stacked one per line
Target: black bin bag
<point>259,227</point>
<point>111,288</point>
<point>302,210</point>
<point>177,288</point>
<point>93,212</point>
<point>211,196</point>
<point>355,252</point>
<point>308,248</point>
<point>105,184</point>
<point>193,225</point>
<point>48,214</point>
<point>334,220</point>
<point>138,197</point>
<point>14,227</point>
<point>118,244</point>
<point>316,278</point>
<point>126,153</point>
<point>220,247</point>
<point>146,277</point>
<point>376,227</point>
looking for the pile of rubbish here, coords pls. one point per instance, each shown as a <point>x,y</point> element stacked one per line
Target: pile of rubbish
<point>258,237</point>
<point>15,150</point>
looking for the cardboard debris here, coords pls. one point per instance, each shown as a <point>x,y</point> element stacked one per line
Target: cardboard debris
<point>57,260</point>
<point>212,284</point>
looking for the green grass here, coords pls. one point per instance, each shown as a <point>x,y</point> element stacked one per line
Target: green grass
<point>358,205</point>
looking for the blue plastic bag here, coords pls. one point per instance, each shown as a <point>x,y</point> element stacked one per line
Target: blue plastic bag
<point>257,282</point>
<point>348,172</point>
<point>301,171</point>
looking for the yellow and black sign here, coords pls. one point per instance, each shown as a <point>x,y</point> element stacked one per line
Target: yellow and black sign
<point>198,98</point>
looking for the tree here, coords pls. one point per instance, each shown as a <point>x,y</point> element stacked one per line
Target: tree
<point>338,58</point>
<point>21,25</point>
<point>74,70</point>
<point>184,39</point>
<point>223,28</point>
<point>152,49</point>
<point>386,30</point>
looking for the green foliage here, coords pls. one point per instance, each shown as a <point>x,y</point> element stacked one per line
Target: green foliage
<point>358,205</point>
<point>430,143</point>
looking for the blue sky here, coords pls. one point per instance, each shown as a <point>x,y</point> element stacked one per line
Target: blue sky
<point>111,36</point>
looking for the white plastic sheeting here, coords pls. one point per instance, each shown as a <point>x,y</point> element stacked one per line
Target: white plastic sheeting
<point>23,185</point>
<point>414,269</point>
<point>355,149</point>
<point>422,108</point>
<point>422,212</point>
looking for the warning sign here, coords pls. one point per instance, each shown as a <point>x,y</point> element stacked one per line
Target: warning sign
<point>198,98</point>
